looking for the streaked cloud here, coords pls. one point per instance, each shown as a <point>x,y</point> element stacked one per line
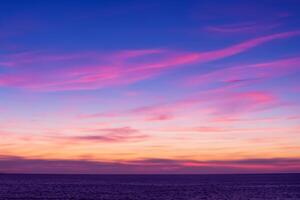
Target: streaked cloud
<point>110,73</point>
<point>248,74</point>
<point>250,27</point>
<point>123,134</point>
<point>14,164</point>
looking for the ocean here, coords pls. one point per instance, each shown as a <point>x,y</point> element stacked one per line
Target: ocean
<point>150,187</point>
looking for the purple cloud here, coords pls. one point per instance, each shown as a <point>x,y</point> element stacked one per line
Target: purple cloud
<point>15,164</point>
<point>110,135</point>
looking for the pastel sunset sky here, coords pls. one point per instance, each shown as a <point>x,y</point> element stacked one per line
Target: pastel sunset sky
<point>133,86</point>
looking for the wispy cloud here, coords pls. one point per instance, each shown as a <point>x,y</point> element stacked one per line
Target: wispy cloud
<point>216,105</point>
<point>93,73</point>
<point>250,27</point>
<point>110,135</point>
<point>15,164</point>
<point>244,74</point>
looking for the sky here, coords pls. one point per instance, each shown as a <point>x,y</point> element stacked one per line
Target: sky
<point>150,87</point>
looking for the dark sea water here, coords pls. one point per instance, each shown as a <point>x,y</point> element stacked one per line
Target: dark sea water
<point>154,187</point>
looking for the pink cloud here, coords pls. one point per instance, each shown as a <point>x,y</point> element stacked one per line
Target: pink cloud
<point>233,104</point>
<point>158,112</point>
<point>227,104</point>
<point>294,117</point>
<point>229,119</point>
<point>230,131</point>
<point>236,104</point>
<point>197,129</point>
<point>219,54</point>
<point>109,73</point>
<point>218,102</point>
<point>99,115</point>
<point>247,73</point>
<point>160,117</point>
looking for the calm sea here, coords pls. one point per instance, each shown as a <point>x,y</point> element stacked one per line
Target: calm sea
<point>154,187</point>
